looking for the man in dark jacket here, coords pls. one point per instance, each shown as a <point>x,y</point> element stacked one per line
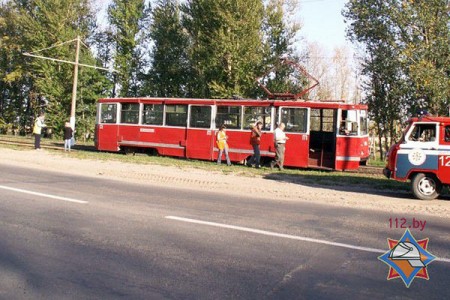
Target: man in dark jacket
<point>255,141</point>
<point>68,134</point>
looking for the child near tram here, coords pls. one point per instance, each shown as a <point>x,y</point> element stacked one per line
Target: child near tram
<point>222,145</point>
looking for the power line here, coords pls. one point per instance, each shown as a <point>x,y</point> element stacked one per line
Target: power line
<point>54,46</point>
<point>76,63</point>
<point>65,61</point>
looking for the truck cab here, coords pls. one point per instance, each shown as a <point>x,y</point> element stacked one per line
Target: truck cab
<point>422,156</point>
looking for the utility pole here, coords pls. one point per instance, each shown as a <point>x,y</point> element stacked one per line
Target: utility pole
<point>75,72</point>
<point>75,85</point>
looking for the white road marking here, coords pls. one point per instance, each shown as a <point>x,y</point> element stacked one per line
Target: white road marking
<point>43,195</point>
<point>287,236</point>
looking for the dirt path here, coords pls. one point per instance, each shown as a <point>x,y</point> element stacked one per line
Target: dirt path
<point>197,179</point>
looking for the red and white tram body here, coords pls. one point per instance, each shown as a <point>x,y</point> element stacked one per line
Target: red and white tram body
<point>321,134</point>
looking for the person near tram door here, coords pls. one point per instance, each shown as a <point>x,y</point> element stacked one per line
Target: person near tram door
<point>279,139</point>
<point>255,140</point>
<point>37,131</point>
<point>221,140</point>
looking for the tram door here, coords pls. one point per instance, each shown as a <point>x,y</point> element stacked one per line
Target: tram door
<point>200,136</point>
<point>322,146</point>
<point>106,130</point>
<point>296,121</point>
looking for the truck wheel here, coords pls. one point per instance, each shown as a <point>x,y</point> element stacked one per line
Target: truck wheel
<point>425,187</point>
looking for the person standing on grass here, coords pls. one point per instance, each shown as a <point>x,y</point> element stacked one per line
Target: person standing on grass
<point>37,130</point>
<point>255,140</point>
<point>68,134</point>
<point>279,139</point>
<point>221,140</point>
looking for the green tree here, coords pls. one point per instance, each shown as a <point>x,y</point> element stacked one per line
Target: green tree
<point>407,57</point>
<point>424,39</point>
<point>14,87</point>
<point>103,42</point>
<point>381,67</point>
<point>44,27</point>
<point>128,18</point>
<point>279,31</point>
<point>225,45</point>
<point>169,75</point>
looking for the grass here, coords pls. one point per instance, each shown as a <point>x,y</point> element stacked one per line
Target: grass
<point>308,176</point>
<point>302,176</point>
<point>376,163</point>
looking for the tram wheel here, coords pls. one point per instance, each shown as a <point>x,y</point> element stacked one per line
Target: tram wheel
<point>129,151</point>
<point>425,187</point>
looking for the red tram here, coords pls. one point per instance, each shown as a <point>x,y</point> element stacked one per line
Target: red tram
<point>328,135</point>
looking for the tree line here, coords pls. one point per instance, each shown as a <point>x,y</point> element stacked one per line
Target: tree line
<point>200,48</point>
<point>216,49</point>
<point>405,53</point>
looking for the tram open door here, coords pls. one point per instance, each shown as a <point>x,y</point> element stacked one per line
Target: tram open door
<point>322,144</point>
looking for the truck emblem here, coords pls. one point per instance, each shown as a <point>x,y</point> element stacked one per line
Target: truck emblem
<point>417,157</point>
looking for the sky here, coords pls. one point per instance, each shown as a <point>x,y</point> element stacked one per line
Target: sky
<point>322,22</point>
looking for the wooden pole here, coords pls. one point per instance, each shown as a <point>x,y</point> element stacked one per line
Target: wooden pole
<point>75,75</point>
<point>75,84</point>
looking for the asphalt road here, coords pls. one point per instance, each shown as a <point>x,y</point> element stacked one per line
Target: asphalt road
<point>120,244</point>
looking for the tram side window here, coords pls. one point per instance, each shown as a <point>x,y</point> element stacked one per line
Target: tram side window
<point>295,119</point>
<point>230,116</point>
<point>423,133</point>
<point>315,120</point>
<point>328,120</point>
<point>322,120</point>
<point>153,114</point>
<point>364,122</point>
<point>176,115</point>
<point>252,115</point>
<point>130,113</point>
<point>200,117</point>
<point>349,123</point>
<point>108,113</point>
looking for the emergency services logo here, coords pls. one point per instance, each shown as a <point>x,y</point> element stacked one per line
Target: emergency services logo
<point>407,258</point>
<point>417,157</point>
